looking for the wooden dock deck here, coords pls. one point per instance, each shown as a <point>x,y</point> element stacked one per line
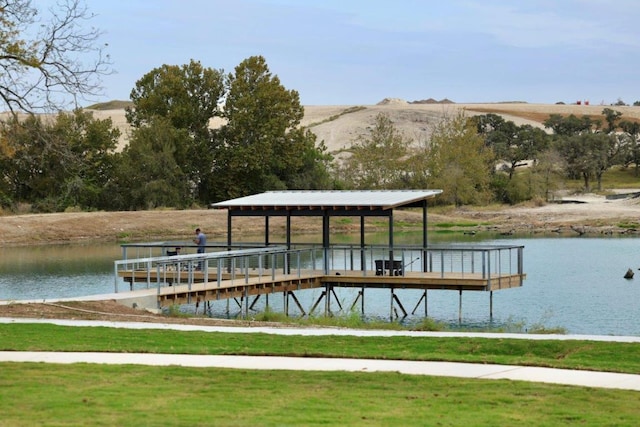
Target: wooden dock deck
<point>239,286</point>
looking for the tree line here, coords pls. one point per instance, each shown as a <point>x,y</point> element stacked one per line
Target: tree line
<point>485,158</point>
<point>176,158</point>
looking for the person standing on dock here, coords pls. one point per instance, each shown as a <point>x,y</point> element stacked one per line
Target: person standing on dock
<point>201,241</point>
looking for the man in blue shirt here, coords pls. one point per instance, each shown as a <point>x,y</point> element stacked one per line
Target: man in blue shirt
<point>201,241</point>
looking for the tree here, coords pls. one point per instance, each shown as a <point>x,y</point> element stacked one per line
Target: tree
<point>44,60</point>
<point>378,160</point>
<point>459,162</point>
<point>611,117</point>
<point>632,135</point>
<point>548,170</point>
<point>57,164</point>
<point>188,96</point>
<point>590,155</point>
<point>570,125</point>
<point>261,147</point>
<point>511,143</point>
<point>185,98</point>
<point>148,175</point>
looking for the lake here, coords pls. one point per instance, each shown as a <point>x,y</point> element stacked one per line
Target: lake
<point>575,283</point>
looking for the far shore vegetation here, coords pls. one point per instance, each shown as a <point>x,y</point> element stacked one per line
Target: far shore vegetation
<point>259,145</point>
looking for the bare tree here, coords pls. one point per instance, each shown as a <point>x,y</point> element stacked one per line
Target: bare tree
<point>49,60</point>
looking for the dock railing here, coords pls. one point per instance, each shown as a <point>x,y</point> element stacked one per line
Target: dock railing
<point>263,264</point>
<point>487,260</point>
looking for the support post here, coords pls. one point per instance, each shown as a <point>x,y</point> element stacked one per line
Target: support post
<point>288,255</point>
<point>295,299</point>
<point>286,303</point>
<point>391,306</point>
<point>390,244</point>
<point>424,236</point>
<point>325,241</point>
<point>460,306</point>
<point>426,313</point>
<point>363,259</point>
<point>315,305</point>
<point>423,297</point>
<point>255,300</point>
<point>246,302</point>
<point>490,304</point>
<point>229,231</point>
<point>361,298</point>
<point>327,301</point>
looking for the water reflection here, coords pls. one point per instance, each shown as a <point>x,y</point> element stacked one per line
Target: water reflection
<point>56,271</point>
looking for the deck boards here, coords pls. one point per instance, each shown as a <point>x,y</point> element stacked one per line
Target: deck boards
<point>239,285</point>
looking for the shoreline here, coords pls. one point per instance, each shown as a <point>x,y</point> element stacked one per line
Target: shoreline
<point>588,215</point>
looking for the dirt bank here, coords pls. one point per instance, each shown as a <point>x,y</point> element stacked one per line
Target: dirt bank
<point>588,214</point>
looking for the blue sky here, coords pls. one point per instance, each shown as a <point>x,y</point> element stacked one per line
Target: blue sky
<point>346,52</point>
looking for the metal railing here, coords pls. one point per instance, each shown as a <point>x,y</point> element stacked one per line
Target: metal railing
<point>263,264</point>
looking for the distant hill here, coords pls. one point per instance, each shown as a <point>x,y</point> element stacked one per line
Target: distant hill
<point>110,105</point>
<point>340,125</point>
<point>432,101</point>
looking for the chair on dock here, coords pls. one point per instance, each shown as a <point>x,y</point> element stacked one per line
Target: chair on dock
<point>393,267</point>
<point>175,266</point>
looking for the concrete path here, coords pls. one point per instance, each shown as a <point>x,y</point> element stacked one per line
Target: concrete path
<point>449,369</point>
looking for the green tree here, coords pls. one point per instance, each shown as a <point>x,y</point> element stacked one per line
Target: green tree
<point>590,155</point>
<point>548,170</point>
<point>511,143</point>
<point>46,59</point>
<point>148,175</point>
<point>611,117</point>
<point>61,163</point>
<point>632,135</point>
<point>459,162</point>
<point>379,160</point>
<point>90,143</point>
<point>570,125</point>
<point>261,147</point>
<point>186,98</point>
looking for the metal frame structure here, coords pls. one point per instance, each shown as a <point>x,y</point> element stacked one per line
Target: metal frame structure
<point>328,204</point>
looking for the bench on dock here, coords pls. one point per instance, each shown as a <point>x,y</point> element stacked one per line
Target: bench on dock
<point>393,267</point>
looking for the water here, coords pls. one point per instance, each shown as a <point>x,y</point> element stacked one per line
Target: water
<point>56,271</point>
<point>574,283</point>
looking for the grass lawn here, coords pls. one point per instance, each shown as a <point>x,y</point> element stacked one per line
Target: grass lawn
<point>106,395</point>
<point>86,394</point>
<point>570,354</point>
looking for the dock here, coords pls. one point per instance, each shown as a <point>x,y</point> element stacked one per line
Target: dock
<point>248,274</point>
<point>232,272</point>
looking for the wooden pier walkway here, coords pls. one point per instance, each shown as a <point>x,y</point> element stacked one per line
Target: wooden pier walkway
<point>244,287</point>
<point>255,285</point>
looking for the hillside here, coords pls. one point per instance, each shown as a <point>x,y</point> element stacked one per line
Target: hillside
<point>339,125</point>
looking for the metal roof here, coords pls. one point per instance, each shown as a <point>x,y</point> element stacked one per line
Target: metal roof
<point>298,200</point>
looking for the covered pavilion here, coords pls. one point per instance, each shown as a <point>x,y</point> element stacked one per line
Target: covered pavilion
<point>327,204</point>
